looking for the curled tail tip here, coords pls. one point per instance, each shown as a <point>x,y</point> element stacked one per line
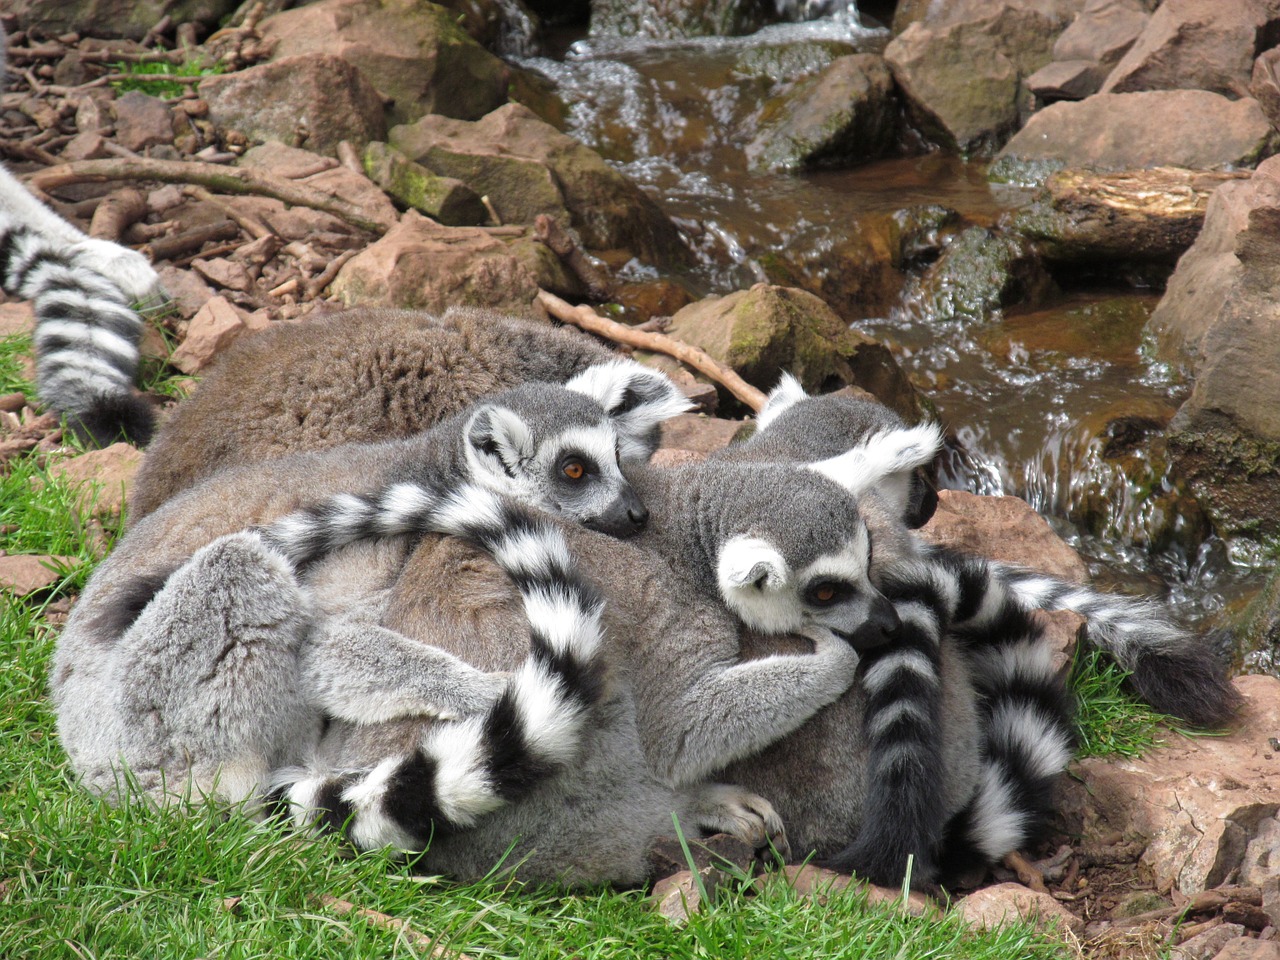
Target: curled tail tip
<point>1191,684</point>
<point>111,419</point>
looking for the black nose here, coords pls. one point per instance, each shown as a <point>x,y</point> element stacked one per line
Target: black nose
<point>882,626</point>
<point>638,515</point>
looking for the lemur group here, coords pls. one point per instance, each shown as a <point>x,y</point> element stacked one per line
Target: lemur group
<point>412,580</point>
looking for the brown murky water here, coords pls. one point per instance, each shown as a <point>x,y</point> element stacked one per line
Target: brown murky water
<point>1036,396</point>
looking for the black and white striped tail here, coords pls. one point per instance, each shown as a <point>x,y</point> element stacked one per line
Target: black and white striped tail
<point>902,814</point>
<point>1170,668</point>
<point>1028,738</point>
<point>462,770</point>
<point>86,338</point>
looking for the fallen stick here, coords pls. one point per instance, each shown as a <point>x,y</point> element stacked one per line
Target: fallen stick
<point>117,213</point>
<point>255,228</point>
<point>316,285</point>
<point>700,360</point>
<point>593,274</point>
<point>387,922</point>
<point>214,177</point>
<point>169,248</point>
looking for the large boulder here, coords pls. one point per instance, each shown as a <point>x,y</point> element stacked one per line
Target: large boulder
<point>526,167</point>
<point>961,71</point>
<point>766,330</point>
<point>114,18</point>
<point>1204,807</point>
<point>1125,131</point>
<point>1085,53</point>
<point>1198,45</point>
<point>414,53</point>
<point>1220,315</point>
<point>313,100</point>
<point>845,114</point>
<point>421,265</point>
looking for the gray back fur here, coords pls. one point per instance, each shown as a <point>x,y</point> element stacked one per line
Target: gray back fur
<point>372,373</point>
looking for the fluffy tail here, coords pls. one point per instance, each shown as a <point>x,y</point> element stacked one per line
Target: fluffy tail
<point>1028,738</point>
<point>902,814</point>
<point>86,334</point>
<point>462,770</point>
<point>1170,668</point>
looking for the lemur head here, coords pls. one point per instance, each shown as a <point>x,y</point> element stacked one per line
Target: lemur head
<point>793,548</point>
<point>795,427</point>
<point>558,447</point>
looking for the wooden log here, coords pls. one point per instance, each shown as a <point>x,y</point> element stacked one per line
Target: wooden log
<point>1142,216</point>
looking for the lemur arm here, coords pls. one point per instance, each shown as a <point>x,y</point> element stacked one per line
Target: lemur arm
<point>353,669</point>
<point>726,710</point>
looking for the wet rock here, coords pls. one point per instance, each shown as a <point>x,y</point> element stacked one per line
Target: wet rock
<point>980,271</point>
<point>961,71</point>
<point>28,573</point>
<point>845,114</point>
<point>142,121</point>
<point>503,26</point>
<point>1135,216</point>
<point>1005,529</point>
<point>1198,45</point>
<point>1196,802</point>
<point>765,330</point>
<point>1217,315</point>
<point>526,167</point>
<point>114,18</point>
<point>674,19</point>
<point>314,100</point>
<point>1127,131</point>
<point>214,328</point>
<point>443,199</point>
<point>101,478</point>
<point>415,54</point>
<point>420,264</point>
<point>1085,53</point>
<point>1003,903</point>
<point>1205,946</point>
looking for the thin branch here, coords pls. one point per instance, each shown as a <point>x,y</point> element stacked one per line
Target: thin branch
<point>225,179</point>
<point>700,360</point>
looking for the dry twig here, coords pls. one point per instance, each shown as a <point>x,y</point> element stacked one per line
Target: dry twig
<point>700,360</point>
<point>388,922</point>
<point>226,179</point>
<point>117,213</point>
<point>316,285</point>
<point>592,273</point>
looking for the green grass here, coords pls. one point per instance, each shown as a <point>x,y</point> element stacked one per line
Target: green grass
<point>150,77</point>
<point>13,348</point>
<point>1111,722</point>
<point>81,878</point>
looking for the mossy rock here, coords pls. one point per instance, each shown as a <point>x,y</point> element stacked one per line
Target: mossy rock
<point>412,185</point>
<point>981,271</point>
<point>766,330</point>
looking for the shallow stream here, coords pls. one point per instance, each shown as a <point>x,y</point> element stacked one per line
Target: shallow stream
<point>1029,393</point>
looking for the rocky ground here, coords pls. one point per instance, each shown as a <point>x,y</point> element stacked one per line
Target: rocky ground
<point>354,153</point>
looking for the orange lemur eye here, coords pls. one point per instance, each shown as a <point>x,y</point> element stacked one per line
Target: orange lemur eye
<point>825,593</point>
<point>573,469</point>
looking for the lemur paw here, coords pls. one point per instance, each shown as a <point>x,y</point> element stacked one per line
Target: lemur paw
<point>724,808</point>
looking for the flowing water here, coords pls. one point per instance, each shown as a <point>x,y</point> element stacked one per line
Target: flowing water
<point>1040,399</point>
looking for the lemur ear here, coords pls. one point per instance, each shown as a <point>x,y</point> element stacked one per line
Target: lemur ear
<point>498,440</point>
<point>636,398</point>
<point>783,397</point>
<point>884,461</point>
<point>748,563</point>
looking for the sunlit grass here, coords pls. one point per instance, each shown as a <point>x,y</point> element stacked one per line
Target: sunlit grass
<point>1111,722</point>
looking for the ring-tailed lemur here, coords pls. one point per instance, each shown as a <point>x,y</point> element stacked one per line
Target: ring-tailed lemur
<point>360,375</point>
<point>87,332</point>
<point>163,667</point>
<point>788,551</point>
